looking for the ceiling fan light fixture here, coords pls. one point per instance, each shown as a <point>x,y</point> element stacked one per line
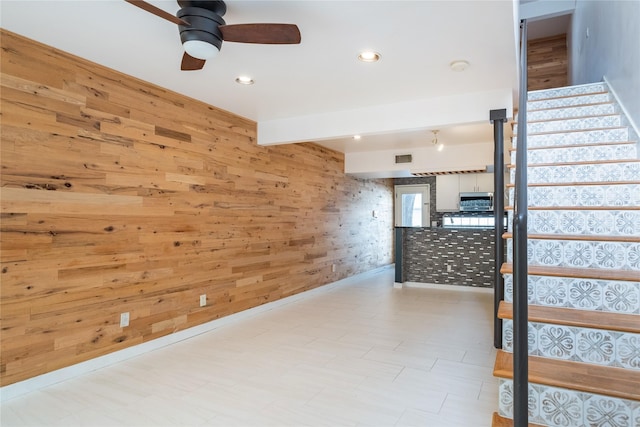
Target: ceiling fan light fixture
<point>200,49</point>
<point>369,56</point>
<point>202,38</point>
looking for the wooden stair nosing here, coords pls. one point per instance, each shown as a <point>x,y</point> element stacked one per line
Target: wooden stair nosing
<point>618,322</point>
<point>586,162</point>
<point>498,421</point>
<point>570,131</point>
<point>578,273</point>
<point>584,237</point>
<point>575,183</point>
<point>603,380</point>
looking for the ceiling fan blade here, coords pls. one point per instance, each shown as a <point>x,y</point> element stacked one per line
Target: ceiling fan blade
<point>189,63</point>
<point>157,11</point>
<point>261,33</point>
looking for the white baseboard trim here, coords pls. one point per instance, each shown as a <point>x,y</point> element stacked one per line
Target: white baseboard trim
<point>50,378</point>
<point>460,288</point>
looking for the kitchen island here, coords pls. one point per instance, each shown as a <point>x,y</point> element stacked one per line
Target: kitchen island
<point>448,256</point>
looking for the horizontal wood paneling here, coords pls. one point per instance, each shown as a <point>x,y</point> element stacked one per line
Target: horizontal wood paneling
<point>547,62</point>
<point>118,195</point>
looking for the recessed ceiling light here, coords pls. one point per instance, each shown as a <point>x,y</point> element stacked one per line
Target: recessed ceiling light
<point>369,56</point>
<point>459,65</point>
<point>244,80</point>
<point>356,137</point>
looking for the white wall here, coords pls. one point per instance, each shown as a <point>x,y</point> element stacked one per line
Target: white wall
<point>452,158</point>
<point>611,50</point>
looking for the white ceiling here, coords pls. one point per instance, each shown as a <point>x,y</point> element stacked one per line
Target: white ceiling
<point>417,40</point>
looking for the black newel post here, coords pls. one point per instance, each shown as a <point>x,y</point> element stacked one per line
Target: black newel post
<point>498,118</point>
<point>399,243</point>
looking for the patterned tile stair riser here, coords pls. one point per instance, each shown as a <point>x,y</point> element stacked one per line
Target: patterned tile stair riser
<point>622,171</point>
<point>571,112</point>
<point>577,101</point>
<point>581,196</point>
<point>581,254</point>
<point>569,91</point>
<point>580,154</point>
<point>611,296</point>
<point>593,137</point>
<point>595,346</point>
<point>581,222</point>
<point>582,123</point>
<point>553,406</point>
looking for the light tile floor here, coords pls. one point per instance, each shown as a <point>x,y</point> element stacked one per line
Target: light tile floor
<point>357,354</point>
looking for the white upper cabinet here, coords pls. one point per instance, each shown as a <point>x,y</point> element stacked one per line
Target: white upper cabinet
<point>471,182</point>
<point>484,182</point>
<point>447,193</point>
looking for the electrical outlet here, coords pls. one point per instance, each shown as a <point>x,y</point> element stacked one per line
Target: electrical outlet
<point>333,268</point>
<point>124,319</point>
<point>203,300</point>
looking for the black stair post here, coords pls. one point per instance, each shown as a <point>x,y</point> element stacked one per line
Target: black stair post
<point>399,238</point>
<point>498,118</point>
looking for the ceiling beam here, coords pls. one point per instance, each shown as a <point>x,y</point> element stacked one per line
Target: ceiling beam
<point>397,117</point>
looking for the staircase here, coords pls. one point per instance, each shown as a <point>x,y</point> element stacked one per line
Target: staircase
<point>584,264</point>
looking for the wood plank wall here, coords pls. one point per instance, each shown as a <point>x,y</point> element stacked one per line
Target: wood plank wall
<point>547,62</point>
<point>120,196</point>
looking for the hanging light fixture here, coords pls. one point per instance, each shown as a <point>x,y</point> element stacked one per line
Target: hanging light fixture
<point>434,141</point>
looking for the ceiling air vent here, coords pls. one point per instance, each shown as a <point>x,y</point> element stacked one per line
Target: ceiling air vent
<point>404,158</point>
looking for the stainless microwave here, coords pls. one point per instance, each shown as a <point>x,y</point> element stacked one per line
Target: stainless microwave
<point>476,202</point>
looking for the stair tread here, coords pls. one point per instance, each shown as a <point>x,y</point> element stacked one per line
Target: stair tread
<point>587,237</point>
<point>573,317</point>
<point>580,376</point>
<point>498,421</point>
<point>580,273</point>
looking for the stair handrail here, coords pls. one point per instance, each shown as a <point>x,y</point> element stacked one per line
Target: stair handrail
<point>520,267</point>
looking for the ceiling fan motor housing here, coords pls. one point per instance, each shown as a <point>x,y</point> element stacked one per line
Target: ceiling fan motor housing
<point>203,26</point>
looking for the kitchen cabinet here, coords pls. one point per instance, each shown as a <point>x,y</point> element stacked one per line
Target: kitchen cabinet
<point>470,182</point>
<point>449,187</point>
<point>447,193</point>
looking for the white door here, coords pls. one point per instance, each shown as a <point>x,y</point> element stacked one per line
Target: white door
<point>412,205</point>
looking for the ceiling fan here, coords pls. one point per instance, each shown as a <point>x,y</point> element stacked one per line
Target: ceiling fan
<point>202,30</point>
